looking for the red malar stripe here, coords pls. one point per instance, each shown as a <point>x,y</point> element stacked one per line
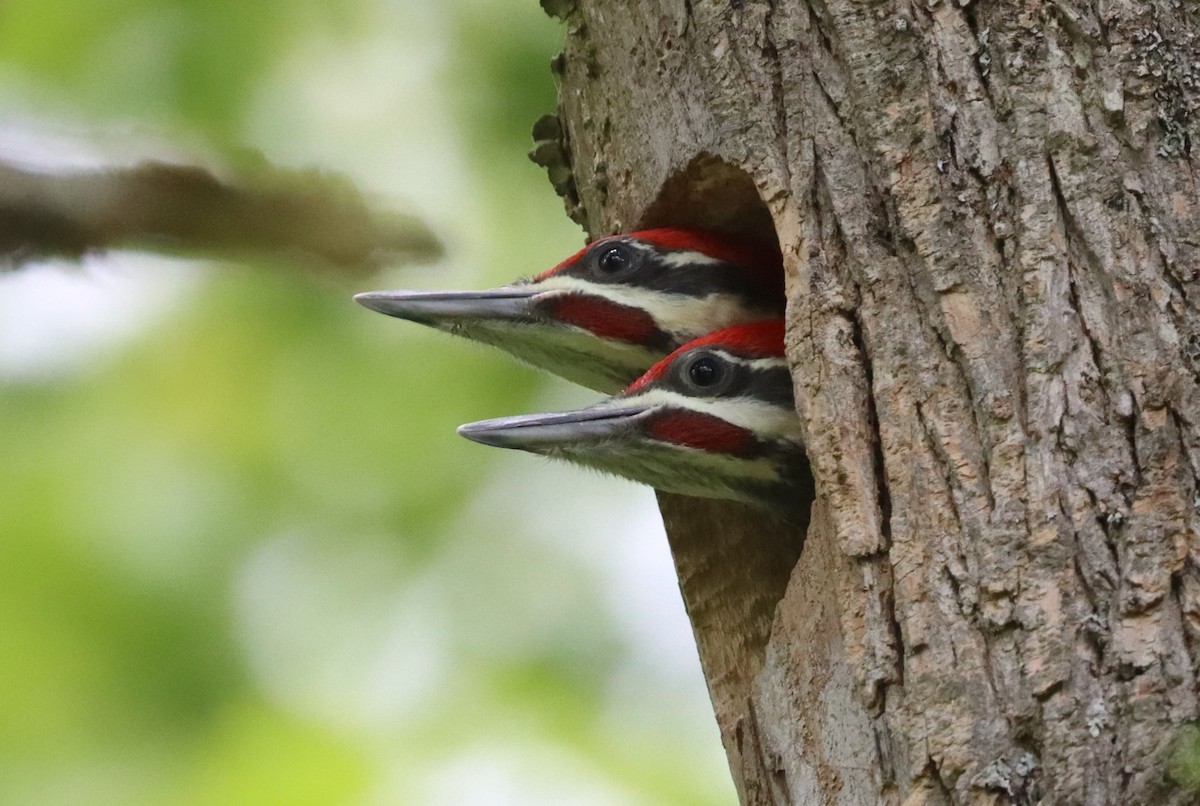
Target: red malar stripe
<point>701,431</point>
<point>606,319</point>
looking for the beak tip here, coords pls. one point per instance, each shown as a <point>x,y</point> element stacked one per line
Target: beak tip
<point>369,299</point>
<point>480,433</point>
<point>543,433</point>
<point>441,307</point>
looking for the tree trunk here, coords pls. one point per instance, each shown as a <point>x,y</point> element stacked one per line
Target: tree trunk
<point>990,226</point>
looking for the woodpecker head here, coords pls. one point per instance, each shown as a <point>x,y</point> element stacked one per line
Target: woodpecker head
<point>604,315</point>
<point>715,419</point>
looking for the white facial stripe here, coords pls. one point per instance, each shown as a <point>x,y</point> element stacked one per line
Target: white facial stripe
<point>677,259</point>
<point>774,362</point>
<point>761,418</point>
<point>685,317</point>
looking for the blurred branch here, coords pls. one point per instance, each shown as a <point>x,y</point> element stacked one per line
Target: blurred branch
<point>154,206</point>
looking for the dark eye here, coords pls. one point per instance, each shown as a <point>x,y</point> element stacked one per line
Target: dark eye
<point>614,259</point>
<point>705,372</point>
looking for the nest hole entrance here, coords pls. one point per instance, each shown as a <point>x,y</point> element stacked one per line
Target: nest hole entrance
<point>734,562</point>
<point>714,195</point>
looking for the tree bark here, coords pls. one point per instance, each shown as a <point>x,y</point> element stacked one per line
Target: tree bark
<point>989,219</point>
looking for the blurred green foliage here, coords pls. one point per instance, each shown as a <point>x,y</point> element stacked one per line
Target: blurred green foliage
<point>240,561</point>
<point>191,63</point>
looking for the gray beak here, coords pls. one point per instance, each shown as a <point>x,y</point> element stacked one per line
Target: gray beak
<point>446,307</point>
<point>543,432</point>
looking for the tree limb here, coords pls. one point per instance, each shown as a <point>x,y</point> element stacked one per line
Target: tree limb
<point>306,215</point>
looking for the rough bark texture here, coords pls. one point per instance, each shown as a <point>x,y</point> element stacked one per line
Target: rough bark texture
<point>990,224</point>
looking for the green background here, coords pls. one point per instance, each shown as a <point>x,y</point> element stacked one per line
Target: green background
<point>243,557</point>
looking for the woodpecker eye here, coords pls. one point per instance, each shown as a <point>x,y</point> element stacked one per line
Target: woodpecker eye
<point>704,372</point>
<point>613,260</point>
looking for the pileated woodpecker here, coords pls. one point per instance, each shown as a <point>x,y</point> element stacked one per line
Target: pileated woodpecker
<point>604,315</point>
<point>715,419</point>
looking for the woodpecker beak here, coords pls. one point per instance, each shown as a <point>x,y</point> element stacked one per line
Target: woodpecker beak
<point>442,308</point>
<point>521,319</point>
<point>543,433</point>
<point>716,419</point>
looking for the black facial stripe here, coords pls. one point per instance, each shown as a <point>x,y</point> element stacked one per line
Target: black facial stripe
<point>662,341</point>
<point>702,280</point>
<point>773,386</point>
<point>690,281</point>
<point>791,492</point>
